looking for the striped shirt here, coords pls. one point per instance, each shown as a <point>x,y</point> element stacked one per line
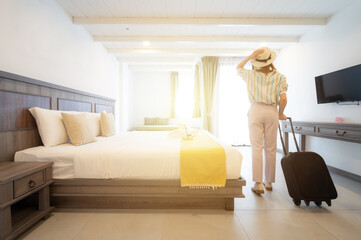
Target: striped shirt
<point>264,88</point>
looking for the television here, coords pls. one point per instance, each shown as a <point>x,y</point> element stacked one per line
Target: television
<point>340,86</point>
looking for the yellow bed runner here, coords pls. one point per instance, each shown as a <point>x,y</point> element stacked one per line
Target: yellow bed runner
<point>202,162</point>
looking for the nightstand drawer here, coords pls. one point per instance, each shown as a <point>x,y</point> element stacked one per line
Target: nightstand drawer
<point>28,183</point>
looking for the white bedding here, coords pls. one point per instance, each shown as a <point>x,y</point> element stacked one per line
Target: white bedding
<point>156,127</point>
<point>129,155</point>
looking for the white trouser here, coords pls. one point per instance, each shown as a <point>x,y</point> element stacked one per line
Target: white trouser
<point>263,124</point>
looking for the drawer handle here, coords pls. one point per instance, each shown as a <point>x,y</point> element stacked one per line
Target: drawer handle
<point>340,134</point>
<point>31,184</point>
<point>298,128</point>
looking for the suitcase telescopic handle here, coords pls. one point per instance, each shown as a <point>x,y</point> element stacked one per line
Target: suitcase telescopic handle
<point>294,136</point>
<point>283,144</point>
<point>293,133</point>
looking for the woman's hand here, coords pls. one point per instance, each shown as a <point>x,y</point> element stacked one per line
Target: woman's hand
<point>282,117</point>
<point>256,53</point>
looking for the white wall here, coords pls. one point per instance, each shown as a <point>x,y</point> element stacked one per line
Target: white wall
<point>39,40</point>
<point>327,49</point>
<point>125,86</point>
<point>150,96</point>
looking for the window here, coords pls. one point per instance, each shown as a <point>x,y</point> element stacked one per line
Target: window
<point>233,106</point>
<point>185,96</point>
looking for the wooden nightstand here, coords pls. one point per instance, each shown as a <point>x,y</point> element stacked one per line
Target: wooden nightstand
<point>24,196</point>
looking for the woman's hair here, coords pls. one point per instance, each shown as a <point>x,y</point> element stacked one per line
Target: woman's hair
<point>269,67</point>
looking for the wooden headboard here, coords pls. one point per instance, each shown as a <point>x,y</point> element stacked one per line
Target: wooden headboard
<point>18,129</point>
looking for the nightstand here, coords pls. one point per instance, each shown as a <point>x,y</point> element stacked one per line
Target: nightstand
<point>24,196</point>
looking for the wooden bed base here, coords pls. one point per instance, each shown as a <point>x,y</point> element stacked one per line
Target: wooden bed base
<point>18,131</point>
<point>142,194</point>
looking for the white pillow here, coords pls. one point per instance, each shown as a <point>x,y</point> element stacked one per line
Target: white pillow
<point>94,123</point>
<point>50,126</point>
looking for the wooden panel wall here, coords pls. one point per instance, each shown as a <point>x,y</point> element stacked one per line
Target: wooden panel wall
<point>71,105</point>
<point>100,108</point>
<point>14,110</point>
<point>18,93</point>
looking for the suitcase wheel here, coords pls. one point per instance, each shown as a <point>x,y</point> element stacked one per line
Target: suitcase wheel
<point>328,202</point>
<point>318,203</point>
<point>296,202</point>
<point>307,203</point>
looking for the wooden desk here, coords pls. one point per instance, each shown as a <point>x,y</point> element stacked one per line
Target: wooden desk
<point>24,196</point>
<point>336,131</point>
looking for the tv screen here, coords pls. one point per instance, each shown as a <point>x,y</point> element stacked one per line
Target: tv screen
<point>340,86</point>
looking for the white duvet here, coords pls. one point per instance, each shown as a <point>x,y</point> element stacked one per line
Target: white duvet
<point>130,155</point>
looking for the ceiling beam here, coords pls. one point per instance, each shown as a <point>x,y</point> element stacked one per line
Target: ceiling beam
<point>159,67</point>
<point>182,51</point>
<point>195,39</point>
<point>201,21</point>
<point>152,60</point>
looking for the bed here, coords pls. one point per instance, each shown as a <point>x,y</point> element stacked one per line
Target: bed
<point>156,127</point>
<point>18,133</point>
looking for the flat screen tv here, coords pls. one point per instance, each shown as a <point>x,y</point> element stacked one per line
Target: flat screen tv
<point>340,86</point>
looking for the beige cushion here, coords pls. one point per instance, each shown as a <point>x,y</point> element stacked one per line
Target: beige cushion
<point>163,121</point>
<point>78,128</point>
<point>50,126</point>
<point>150,121</point>
<point>107,124</point>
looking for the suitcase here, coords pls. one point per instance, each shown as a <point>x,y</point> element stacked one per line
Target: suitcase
<point>307,176</point>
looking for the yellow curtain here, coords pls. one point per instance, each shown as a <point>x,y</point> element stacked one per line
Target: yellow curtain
<point>209,70</point>
<point>197,93</point>
<point>173,93</point>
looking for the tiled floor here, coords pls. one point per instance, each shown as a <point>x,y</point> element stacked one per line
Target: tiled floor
<point>271,216</point>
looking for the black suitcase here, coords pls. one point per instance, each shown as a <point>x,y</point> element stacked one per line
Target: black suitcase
<point>307,176</point>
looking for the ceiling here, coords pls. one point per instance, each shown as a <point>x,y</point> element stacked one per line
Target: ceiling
<point>176,32</point>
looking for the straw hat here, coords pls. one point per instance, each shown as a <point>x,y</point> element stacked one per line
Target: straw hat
<point>264,59</point>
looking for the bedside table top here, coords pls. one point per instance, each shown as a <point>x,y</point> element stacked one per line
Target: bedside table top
<point>10,171</point>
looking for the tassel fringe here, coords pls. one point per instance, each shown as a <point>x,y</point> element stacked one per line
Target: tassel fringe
<point>213,187</point>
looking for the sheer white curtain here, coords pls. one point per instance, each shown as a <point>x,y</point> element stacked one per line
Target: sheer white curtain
<point>232,104</point>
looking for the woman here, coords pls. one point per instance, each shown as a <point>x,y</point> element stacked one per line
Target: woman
<point>266,90</point>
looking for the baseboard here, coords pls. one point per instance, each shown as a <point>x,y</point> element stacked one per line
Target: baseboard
<point>344,173</point>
